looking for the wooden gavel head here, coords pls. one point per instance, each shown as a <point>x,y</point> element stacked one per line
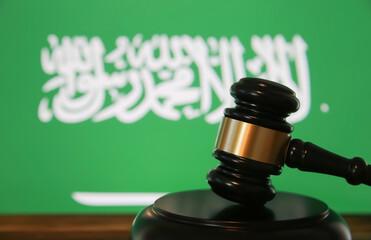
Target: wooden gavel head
<point>252,141</point>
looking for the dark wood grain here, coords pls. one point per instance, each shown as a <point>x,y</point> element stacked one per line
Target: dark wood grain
<point>104,227</point>
<point>92,227</point>
<point>360,226</point>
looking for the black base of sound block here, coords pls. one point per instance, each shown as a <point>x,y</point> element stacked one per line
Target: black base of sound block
<point>201,214</point>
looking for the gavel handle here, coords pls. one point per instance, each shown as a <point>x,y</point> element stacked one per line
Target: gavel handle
<point>308,157</point>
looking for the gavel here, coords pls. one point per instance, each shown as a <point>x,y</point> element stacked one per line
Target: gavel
<point>254,142</point>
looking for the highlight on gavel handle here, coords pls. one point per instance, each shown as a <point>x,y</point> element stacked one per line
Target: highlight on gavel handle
<point>308,157</point>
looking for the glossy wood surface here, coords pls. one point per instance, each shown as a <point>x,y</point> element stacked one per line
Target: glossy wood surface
<point>108,227</point>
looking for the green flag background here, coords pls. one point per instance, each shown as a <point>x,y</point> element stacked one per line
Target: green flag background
<point>91,103</point>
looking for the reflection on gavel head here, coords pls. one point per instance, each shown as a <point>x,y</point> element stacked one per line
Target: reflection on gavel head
<point>252,141</point>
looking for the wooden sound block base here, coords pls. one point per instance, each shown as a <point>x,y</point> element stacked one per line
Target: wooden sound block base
<point>201,214</point>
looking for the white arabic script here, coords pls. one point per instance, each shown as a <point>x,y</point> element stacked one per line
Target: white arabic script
<point>174,77</point>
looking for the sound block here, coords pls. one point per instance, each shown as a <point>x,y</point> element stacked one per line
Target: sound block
<point>201,214</point>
